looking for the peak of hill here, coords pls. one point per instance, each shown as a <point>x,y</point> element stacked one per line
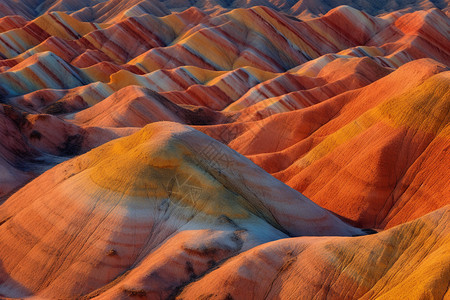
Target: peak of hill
<point>118,204</point>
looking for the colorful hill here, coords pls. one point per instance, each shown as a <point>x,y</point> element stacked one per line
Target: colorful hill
<point>121,204</point>
<point>373,141</point>
<point>412,257</point>
<point>224,149</point>
<point>114,10</point>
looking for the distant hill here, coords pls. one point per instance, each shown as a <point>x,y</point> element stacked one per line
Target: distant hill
<point>108,10</point>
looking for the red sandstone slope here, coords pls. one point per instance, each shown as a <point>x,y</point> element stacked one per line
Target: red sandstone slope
<point>358,153</point>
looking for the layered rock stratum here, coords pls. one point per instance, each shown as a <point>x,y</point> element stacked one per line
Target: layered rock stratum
<point>224,149</point>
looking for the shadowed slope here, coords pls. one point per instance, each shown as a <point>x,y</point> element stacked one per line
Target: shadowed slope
<point>135,106</point>
<point>14,152</point>
<point>31,144</point>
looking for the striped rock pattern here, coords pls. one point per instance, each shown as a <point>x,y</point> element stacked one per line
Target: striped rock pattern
<point>113,10</point>
<point>381,266</point>
<point>126,203</point>
<point>312,124</point>
<point>374,141</point>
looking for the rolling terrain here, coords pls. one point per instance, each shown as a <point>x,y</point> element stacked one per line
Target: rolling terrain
<point>224,149</point>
